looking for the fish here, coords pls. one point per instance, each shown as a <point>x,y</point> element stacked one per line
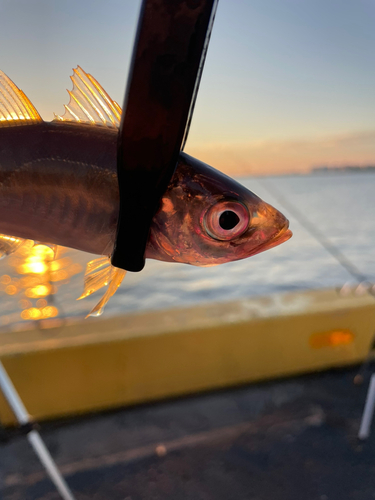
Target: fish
<point>58,185</point>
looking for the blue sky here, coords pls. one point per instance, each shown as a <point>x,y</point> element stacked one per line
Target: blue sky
<point>287,84</point>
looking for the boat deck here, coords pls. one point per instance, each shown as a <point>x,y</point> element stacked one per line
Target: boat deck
<point>290,439</point>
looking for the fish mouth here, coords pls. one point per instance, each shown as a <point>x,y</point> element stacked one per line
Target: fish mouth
<point>284,234</point>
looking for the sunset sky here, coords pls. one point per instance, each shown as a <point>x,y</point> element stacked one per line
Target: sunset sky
<point>287,84</point>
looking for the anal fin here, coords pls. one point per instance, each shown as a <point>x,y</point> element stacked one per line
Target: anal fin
<point>99,273</point>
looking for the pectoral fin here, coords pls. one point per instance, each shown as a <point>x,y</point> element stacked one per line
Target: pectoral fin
<point>9,244</point>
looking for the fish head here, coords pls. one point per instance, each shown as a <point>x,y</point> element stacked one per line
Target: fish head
<point>206,218</point>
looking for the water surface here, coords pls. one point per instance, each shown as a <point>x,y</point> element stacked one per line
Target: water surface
<point>341,206</point>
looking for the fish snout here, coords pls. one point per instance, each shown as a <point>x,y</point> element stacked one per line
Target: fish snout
<point>266,216</point>
<point>272,225</point>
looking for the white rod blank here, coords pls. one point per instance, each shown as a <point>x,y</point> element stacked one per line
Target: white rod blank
<point>368,412</point>
<point>11,395</point>
<point>20,412</point>
<point>45,457</point>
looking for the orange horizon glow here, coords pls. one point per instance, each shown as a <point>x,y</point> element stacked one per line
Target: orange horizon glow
<point>273,157</point>
<point>283,82</point>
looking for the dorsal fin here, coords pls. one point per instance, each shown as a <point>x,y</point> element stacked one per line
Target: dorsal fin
<point>15,107</point>
<point>90,103</point>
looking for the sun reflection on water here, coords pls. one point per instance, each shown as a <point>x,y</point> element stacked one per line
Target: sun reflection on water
<point>38,272</point>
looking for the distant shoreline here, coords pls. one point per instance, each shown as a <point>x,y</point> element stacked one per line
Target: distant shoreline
<point>315,172</point>
<point>347,169</point>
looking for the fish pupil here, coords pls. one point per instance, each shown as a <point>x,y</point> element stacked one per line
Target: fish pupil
<point>228,220</point>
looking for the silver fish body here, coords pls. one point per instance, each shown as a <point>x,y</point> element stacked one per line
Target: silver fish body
<point>58,184</point>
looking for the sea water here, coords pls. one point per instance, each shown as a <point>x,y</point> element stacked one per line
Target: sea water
<point>341,206</point>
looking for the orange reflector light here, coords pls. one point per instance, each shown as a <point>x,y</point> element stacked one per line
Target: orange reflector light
<point>331,339</point>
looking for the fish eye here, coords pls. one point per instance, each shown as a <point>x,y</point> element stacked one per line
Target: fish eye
<point>226,220</point>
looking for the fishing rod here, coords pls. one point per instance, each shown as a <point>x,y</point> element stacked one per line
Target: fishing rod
<point>30,429</point>
<point>167,63</point>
